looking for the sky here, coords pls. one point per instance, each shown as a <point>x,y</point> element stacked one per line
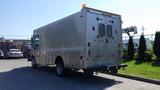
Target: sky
<point>18,18</point>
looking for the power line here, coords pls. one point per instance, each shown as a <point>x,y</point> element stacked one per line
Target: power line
<point>15,35</point>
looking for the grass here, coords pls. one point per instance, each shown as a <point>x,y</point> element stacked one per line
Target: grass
<point>147,69</point>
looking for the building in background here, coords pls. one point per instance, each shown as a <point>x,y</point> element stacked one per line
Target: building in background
<point>2,39</point>
<point>136,43</point>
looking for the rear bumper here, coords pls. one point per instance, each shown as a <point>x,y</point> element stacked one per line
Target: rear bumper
<point>1,57</point>
<point>108,67</point>
<point>15,56</point>
<point>116,66</point>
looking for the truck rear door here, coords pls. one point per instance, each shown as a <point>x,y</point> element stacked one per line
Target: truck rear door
<point>113,39</point>
<point>96,38</point>
<point>103,38</point>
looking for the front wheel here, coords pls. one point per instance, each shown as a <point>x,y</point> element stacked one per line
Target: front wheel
<point>59,68</point>
<point>33,63</point>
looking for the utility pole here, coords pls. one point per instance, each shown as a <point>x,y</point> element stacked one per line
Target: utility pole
<point>143,30</point>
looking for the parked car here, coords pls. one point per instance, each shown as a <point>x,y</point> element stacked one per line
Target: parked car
<point>14,53</point>
<point>1,54</point>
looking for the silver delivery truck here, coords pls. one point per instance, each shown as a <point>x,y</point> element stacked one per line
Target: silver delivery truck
<point>90,40</point>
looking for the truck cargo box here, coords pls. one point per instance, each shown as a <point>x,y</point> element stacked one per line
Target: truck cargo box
<point>89,39</point>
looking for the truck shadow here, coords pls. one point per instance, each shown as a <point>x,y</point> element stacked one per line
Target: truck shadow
<point>26,78</point>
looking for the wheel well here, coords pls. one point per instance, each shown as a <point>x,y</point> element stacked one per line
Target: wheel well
<point>59,59</point>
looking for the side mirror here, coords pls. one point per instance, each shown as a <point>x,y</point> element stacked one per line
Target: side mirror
<point>37,45</point>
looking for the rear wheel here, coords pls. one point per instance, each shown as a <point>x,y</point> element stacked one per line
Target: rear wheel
<point>60,68</point>
<point>88,72</point>
<point>114,71</point>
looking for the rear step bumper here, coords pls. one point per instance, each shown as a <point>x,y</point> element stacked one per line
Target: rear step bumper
<point>110,67</point>
<point>120,66</point>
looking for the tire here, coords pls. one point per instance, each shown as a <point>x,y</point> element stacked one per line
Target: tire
<point>60,68</point>
<point>88,72</point>
<point>33,63</point>
<point>114,71</point>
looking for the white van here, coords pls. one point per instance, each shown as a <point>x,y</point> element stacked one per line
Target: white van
<point>90,40</point>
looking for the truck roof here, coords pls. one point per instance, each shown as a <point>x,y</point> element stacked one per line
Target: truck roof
<point>84,8</point>
<point>100,11</point>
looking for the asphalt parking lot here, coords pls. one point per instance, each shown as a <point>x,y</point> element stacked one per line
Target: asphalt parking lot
<point>17,74</point>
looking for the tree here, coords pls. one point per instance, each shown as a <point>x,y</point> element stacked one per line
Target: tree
<point>156,45</point>
<point>141,48</point>
<point>130,48</point>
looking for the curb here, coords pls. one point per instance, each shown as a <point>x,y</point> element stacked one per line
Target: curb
<point>137,78</point>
